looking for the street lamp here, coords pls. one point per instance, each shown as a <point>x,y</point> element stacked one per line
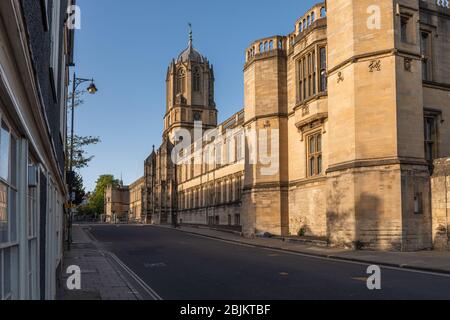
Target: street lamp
<point>92,89</point>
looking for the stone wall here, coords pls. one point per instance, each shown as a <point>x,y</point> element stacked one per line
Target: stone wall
<point>440,188</point>
<point>223,215</point>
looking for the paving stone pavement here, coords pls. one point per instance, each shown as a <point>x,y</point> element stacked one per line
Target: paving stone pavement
<point>100,278</point>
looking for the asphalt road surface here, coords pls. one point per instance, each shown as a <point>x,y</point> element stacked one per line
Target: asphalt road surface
<point>181,266</point>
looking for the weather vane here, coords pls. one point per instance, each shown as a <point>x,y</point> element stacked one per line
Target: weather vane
<point>190,31</point>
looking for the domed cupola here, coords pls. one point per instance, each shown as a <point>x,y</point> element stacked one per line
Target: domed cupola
<point>190,53</point>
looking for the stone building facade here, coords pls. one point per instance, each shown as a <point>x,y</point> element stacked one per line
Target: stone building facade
<point>117,204</point>
<point>136,193</point>
<point>36,50</point>
<point>440,191</point>
<point>351,109</point>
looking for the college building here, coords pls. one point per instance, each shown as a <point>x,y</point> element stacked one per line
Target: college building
<point>35,52</point>
<point>343,134</point>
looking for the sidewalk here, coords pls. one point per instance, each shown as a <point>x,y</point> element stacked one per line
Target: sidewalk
<point>430,261</point>
<point>100,279</point>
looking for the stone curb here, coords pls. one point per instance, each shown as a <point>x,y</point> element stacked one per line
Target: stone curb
<point>314,255</point>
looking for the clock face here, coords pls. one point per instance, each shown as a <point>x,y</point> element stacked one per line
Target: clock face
<point>197,116</point>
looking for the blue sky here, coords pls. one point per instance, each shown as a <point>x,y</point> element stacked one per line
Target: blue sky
<point>127,46</point>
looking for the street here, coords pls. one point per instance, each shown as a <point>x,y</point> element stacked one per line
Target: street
<point>181,266</point>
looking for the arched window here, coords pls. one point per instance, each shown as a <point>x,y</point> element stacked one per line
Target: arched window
<point>323,12</point>
<point>261,47</point>
<point>304,24</point>
<point>197,80</point>
<point>271,45</point>
<point>313,17</point>
<point>300,27</point>
<point>181,80</point>
<point>280,44</point>
<point>308,20</point>
<point>266,46</point>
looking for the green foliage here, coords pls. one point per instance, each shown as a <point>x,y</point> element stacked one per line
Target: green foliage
<point>81,158</point>
<point>78,188</point>
<point>97,199</point>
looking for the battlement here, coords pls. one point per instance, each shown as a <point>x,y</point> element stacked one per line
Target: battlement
<point>305,22</point>
<point>265,46</point>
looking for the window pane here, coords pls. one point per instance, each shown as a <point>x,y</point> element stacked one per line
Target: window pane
<point>323,58</point>
<point>312,144</point>
<point>319,165</point>
<point>319,143</point>
<point>13,161</point>
<point>3,213</point>
<point>311,167</point>
<point>424,70</point>
<point>4,152</point>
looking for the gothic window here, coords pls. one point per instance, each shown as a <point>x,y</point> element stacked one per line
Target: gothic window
<point>306,75</point>
<point>314,154</point>
<point>181,81</point>
<point>425,46</point>
<point>197,80</point>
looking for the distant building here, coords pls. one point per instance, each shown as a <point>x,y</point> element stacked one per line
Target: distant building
<point>35,52</point>
<point>355,100</point>
<point>117,204</point>
<point>136,193</point>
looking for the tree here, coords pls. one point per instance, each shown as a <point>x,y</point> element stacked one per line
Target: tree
<point>97,199</point>
<point>78,188</point>
<point>81,158</point>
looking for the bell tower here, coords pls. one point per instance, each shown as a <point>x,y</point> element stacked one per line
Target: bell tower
<point>190,91</point>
